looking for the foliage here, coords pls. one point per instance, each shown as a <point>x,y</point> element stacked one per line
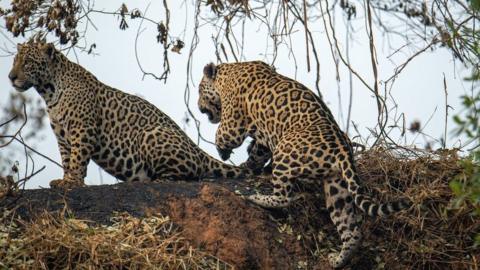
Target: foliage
<point>467,184</point>
<point>468,123</point>
<point>475,5</point>
<point>58,17</point>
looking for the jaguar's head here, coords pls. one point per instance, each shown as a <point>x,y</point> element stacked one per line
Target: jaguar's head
<point>33,65</point>
<point>208,99</point>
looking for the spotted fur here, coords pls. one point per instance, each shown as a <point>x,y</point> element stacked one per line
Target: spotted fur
<point>125,135</point>
<point>300,134</point>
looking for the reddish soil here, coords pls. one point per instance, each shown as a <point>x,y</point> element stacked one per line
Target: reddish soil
<point>229,228</point>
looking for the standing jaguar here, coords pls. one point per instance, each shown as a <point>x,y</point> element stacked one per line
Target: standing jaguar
<point>294,126</point>
<point>125,135</point>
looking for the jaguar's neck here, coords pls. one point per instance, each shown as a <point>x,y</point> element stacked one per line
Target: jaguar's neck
<point>67,76</point>
<point>49,93</point>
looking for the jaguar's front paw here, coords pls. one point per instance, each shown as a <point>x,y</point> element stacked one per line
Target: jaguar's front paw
<point>270,201</point>
<point>336,261</point>
<point>66,183</point>
<point>252,167</point>
<point>224,153</point>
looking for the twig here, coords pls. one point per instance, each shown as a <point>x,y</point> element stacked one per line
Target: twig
<point>305,24</point>
<point>335,43</point>
<point>18,131</point>
<point>8,121</point>
<point>400,68</point>
<point>166,71</point>
<point>24,180</point>
<point>446,112</point>
<point>25,152</point>
<point>227,36</point>
<point>373,59</point>
<point>186,95</point>
<point>350,81</point>
<point>297,15</point>
<point>31,149</point>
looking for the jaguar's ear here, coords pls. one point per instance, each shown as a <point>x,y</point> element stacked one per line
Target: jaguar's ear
<point>210,71</point>
<point>19,46</point>
<point>49,50</point>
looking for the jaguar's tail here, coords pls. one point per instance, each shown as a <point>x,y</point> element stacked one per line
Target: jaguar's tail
<point>218,169</point>
<point>365,202</point>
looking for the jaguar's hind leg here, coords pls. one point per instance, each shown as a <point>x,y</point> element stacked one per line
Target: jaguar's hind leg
<point>283,174</point>
<point>342,211</point>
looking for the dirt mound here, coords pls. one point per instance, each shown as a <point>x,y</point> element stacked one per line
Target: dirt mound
<point>212,219</point>
<point>228,227</point>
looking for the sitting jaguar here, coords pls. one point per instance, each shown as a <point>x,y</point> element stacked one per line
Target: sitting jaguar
<point>299,132</point>
<point>125,135</point>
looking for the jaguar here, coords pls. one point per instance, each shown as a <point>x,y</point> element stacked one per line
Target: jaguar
<point>293,126</point>
<point>124,134</point>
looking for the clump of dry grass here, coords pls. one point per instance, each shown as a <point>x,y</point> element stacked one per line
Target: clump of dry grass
<point>433,234</point>
<point>58,242</point>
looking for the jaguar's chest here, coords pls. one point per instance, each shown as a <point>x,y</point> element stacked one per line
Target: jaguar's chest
<point>58,116</point>
<point>262,137</point>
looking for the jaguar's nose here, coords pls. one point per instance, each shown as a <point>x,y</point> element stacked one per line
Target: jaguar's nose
<point>203,110</point>
<point>12,76</point>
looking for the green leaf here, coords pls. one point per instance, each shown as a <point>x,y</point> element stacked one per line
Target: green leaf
<point>456,187</point>
<point>477,239</point>
<point>475,5</point>
<point>476,156</point>
<point>457,120</point>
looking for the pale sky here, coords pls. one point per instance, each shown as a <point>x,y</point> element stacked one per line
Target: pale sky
<point>418,91</point>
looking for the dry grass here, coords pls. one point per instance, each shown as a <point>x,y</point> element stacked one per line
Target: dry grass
<point>57,242</point>
<point>433,234</point>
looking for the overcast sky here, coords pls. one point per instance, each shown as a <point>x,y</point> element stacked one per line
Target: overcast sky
<point>418,91</point>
